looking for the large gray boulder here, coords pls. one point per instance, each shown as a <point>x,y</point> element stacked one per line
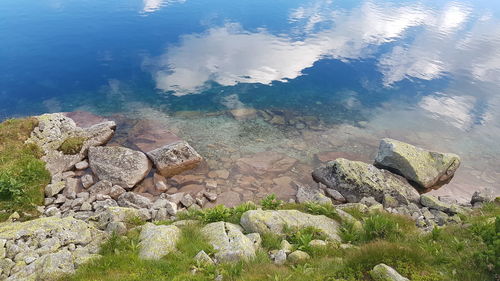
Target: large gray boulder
<point>426,169</point>
<point>119,165</point>
<point>262,221</point>
<point>175,158</point>
<point>229,242</point>
<point>355,180</point>
<point>382,272</point>
<point>156,241</point>
<point>54,128</point>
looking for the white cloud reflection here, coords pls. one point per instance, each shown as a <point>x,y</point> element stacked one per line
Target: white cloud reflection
<point>150,6</point>
<point>229,54</point>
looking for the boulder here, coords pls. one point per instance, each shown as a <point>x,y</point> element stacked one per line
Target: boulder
<point>119,165</point>
<point>174,158</point>
<point>229,242</point>
<point>263,221</point>
<point>118,214</point>
<point>157,241</point>
<point>382,272</point>
<point>355,180</point>
<point>426,169</point>
<point>203,258</point>
<point>298,256</point>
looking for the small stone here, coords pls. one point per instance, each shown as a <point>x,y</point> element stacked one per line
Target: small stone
<point>86,206</point>
<point>286,246</point>
<point>54,188</point>
<point>318,243</point>
<point>368,201</point>
<point>116,191</point>
<point>14,216</point>
<point>279,257</point>
<point>298,256</point>
<point>203,258</point>
<point>160,182</point>
<point>87,181</point>
<point>60,199</point>
<point>159,203</point>
<point>211,196</point>
<point>171,208</point>
<point>201,201</point>
<point>161,214</point>
<point>82,165</point>
<point>48,200</point>
<point>52,211</point>
<point>84,195</point>
<point>116,227</point>
<point>187,200</point>
<point>335,195</point>
<point>482,196</point>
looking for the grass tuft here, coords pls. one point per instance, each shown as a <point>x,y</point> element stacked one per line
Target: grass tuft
<point>72,145</point>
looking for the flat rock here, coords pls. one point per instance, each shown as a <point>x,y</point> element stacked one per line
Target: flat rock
<point>119,165</point>
<point>229,242</point>
<point>427,169</point>
<point>175,158</point>
<point>265,162</point>
<point>262,221</point>
<point>148,135</point>
<point>355,180</point>
<point>156,241</point>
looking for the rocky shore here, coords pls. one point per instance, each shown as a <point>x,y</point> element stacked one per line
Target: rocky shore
<point>101,188</point>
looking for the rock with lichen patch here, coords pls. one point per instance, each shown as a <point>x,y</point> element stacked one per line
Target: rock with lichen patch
<point>156,241</point>
<point>355,180</point>
<point>427,169</point>
<point>229,242</point>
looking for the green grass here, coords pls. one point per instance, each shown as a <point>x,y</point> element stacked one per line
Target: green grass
<point>72,145</point>
<point>451,253</point>
<point>23,176</point>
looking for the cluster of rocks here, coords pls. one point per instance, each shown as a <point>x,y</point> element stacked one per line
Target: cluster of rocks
<point>98,176</point>
<point>400,172</point>
<point>278,117</point>
<point>45,248</point>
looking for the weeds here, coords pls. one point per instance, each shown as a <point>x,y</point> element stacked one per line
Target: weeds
<point>72,145</point>
<point>270,202</point>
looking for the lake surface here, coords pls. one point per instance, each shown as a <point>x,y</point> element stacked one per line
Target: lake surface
<point>325,78</point>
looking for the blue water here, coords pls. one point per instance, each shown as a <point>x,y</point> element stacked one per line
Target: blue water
<point>427,72</point>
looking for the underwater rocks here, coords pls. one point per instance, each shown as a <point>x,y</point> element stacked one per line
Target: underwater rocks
<point>355,180</point>
<point>119,165</point>
<point>426,169</point>
<point>265,162</point>
<point>243,113</point>
<point>174,158</point>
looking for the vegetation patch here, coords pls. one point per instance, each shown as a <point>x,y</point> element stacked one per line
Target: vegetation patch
<point>72,145</point>
<point>23,176</point>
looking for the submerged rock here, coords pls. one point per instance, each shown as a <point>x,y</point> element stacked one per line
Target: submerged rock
<point>156,241</point>
<point>382,272</point>
<point>229,242</point>
<point>119,165</point>
<point>355,180</point>
<point>175,158</point>
<point>427,169</point>
<point>265,162</point>
<point>262,221</point>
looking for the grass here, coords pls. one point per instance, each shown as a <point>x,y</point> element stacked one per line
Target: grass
<point>451,253</point>
<point>23,176</point>
<point>72,145</point>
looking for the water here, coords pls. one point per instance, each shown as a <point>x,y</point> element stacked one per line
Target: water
<point>327,78</point>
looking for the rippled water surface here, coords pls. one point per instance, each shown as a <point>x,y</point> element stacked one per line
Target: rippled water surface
<point>316,79</point>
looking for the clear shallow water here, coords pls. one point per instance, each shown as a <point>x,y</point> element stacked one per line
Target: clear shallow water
<point>339,75</point>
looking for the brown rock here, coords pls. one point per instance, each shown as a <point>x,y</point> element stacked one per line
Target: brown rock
<point>328,156</point>
<point>85,119</point>
<point>192,189</point>
<point>265,162</point>
<point>148,135</point>
<point>229,199</point>
<point>243,113</point>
